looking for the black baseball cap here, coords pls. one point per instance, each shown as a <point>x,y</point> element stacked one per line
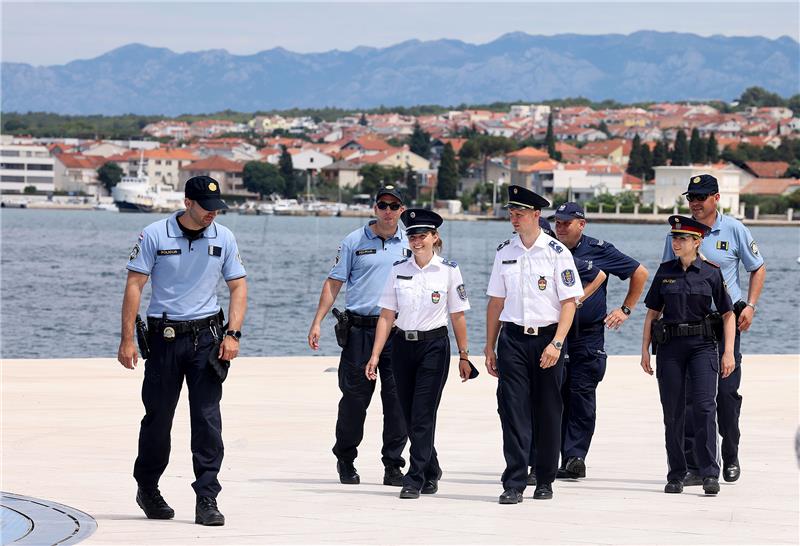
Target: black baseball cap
<point>703,184</point>
<point>523,198</point>
<point>205,190</point>
<point>389,189</point>
<point>569,211</point>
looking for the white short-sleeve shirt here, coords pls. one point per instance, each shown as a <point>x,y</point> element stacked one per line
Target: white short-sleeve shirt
<point>424,297</point>
<point>534,281</point>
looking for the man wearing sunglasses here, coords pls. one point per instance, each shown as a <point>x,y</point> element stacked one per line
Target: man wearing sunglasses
<point>364,261</point>
<point>728,244</point>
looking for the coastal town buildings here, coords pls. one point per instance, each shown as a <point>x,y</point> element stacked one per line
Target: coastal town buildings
<point>25,165</point>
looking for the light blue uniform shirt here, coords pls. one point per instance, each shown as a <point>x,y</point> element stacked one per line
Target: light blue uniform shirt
<point>728,243</point>
<point>184,274</point>
<point>364,262</point>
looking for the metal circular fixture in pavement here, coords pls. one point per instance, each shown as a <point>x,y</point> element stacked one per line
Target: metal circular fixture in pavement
<point>26,520</point>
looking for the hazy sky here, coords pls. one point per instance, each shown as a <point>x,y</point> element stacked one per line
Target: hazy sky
<point>45,33</point>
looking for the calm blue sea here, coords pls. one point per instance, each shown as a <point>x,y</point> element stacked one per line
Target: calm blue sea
<point>63,274</point>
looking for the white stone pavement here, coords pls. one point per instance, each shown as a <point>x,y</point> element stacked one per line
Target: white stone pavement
<point>70,431</point>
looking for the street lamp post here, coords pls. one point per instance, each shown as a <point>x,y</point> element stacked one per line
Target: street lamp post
<point>494,190</point>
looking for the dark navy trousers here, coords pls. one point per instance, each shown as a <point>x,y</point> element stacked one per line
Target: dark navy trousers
<point>679,358</point>
<point>529,403</point>
<point>164,372</point>
<point>356,395</point>
<point>420,370</point>
<point>729,408</point>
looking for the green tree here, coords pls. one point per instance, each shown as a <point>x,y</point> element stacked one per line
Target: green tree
<point>758,97</point>
<point>363,120</point>
<point>635,164</point>
<point>469,153</point>
<point>262,178</point>
<point>286,168</point>
<point>647,162</point>
<point>680,152</point>
<point>698,149</point>
<point>550,138</point>
<point>420,142</point>
<point>660,154</point>
<point>109,174</point>
<point>374,176</point>
<point>712,149</point>
<point>447,176</point>
<point>793,172</point>
<point>604,128</point>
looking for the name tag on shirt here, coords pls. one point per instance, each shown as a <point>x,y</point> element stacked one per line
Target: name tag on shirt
<point>506,262</point>
<point>364,251</point>
<point>169,252</point>
<point>405,277</point>
<point>214,250</point>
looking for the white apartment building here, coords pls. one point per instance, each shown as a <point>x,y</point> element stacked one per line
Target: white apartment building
<point>23,165</point>
<point>671,182</point>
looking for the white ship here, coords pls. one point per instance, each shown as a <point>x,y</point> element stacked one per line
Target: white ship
<point>137,194</point>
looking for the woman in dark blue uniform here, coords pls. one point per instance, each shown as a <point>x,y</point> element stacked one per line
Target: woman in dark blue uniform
<point>682,294</point>
<point>421,292</point>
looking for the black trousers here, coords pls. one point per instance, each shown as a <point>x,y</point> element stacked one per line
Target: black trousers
<point>729,408</point>
<point>679,358</point>
<point>420,371</point>
<point>169,363</point>
<point>529,403</point>
<point>356,395</point>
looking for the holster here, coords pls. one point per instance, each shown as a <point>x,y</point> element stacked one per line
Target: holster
<point>220,367</point>
<point>714,321</point>
<point>141,338</point>
<point>738,307</point>
<point>342,327</point>
<point>658,334</point>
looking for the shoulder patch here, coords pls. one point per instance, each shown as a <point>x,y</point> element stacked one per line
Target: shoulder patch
<point>398,262</point>
<point>597,242</point>
<point>557,247</point>
<point>504,243</point>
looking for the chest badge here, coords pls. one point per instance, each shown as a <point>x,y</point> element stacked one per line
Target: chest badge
<point>436,296</point>
<point>542,284</point>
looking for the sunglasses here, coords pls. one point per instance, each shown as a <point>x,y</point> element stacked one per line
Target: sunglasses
<point>383,205</point>
<point>697,197</point>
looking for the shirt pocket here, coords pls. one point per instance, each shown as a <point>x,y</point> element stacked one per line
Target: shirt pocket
<point>406,292</point>
<point>435,295</point>
<point>542,276</point>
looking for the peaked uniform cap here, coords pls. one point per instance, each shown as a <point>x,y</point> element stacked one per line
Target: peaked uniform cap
<point>523,198</point>
<point>683,225</point>
<point>420,220</point>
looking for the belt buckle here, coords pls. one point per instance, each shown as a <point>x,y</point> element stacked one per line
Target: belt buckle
<point>530,330</point>
<point>168,333</point>
<point>412,335</point>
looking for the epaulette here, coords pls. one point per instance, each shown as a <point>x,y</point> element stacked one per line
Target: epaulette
<point>400,261</point>
<point>597,242</point>
<point>448,262</point>
<point>555,246</point>
<point>504,243</point>
<point>706,260</point>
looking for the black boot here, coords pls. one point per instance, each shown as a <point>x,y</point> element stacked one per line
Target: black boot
<point>392,476</point>
<point>207,513</point>
<point>153,504</point>
<point>532,477</point>
<point>347,473</point>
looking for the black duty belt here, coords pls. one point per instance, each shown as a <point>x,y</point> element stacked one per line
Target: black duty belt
<point>181,327</point>
<point>364,321</point>
<point>419,335</point>
<point>548,330</point>
<point>686,329</point>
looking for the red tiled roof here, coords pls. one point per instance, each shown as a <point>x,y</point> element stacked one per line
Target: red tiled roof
<point>529,152</point>
<point>214,163</point>
<point>771,186</point>
<point>602,147</point>
<point>78,161</point>
<point>170,153</point>
<point>539,166</point>
<point>767,169</point>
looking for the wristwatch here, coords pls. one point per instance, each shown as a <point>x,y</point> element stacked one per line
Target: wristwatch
<point>234,334</point>
<point>626,309</point>
<point>556,344</point>
<point>578,303</point>
<point>463,354</point>
<point>752,305</point>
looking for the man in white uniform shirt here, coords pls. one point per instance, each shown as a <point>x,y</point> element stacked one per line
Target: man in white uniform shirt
<point>532,291</point>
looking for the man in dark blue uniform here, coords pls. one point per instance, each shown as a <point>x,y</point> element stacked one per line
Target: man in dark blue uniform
<point>586,364</point>
<point>184,257</point>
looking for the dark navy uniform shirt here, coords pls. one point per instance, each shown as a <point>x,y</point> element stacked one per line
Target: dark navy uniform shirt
<point>604,256</point>
<point>686,296</point>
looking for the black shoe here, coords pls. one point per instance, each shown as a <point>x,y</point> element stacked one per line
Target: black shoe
<point>673,486</point>
<point>543,491</point>
<point>710,485</point>
<point>207,513</point>
<point>153,504</point>
<point>731,472</point>
<point>391,476</point>
<point>347,473</point>
<point>532,477</point>
<point>430,487</point>
<point>576,467</point>
<point>511,496</point>
<point>692,479</point>
<point>409,493</point>
<point>562,474</point>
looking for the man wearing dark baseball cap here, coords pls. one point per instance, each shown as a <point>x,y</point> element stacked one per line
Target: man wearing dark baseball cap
<point>205,191</point>
<point>586,339</point>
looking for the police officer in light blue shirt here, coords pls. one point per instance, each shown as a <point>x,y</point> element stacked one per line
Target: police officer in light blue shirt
<point>364,262</point>
<point>728,244</point>
<point>184,257</point>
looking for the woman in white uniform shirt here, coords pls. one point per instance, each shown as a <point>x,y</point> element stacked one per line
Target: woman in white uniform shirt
<point>421,292</point>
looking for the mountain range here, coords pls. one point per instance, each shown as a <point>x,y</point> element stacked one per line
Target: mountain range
<point>643,66</point>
